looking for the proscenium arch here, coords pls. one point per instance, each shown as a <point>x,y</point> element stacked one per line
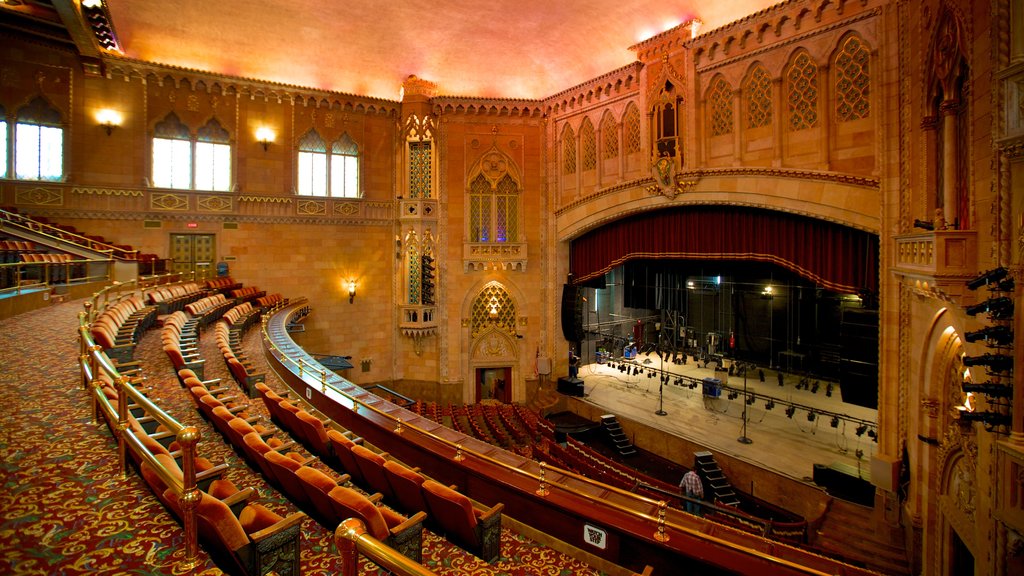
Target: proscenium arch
<point>832,256</point>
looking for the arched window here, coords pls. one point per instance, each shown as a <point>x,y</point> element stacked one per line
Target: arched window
<point>588,145</point>
<point>172,154</point>
<point>631,127</point>
<point>609,137</point>
<point>720,104</point>
<point>758,92</point>
<point>666,118</point>
<point>328,174</point>
<point>494,212</point>
<point>3,142</point>
<point>802,92</point>
<point>181,163</point>
<point>569,150</point>
<point>853,80</point>
<point>38,142</point>
<point>213,157</point>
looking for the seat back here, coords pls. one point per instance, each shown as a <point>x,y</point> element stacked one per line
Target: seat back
<point>342,448</point>
<point>314,432</point>
<point>453,512</point>
<point>354,504</point>
<point>318,488</point>
<point>406,486</point>
<point>371,465</point>
<point>285,470</point>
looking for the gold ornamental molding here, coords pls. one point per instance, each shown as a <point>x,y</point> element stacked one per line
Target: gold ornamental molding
<point>312,207</point>
<point>266,199</point>
<point>214,204</point>
<point>168,202</point>
<point>107,191</point>
<point>346,209</point>
<point>38,196</point>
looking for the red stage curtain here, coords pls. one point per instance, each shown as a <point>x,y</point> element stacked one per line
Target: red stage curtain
<point>835,257</point>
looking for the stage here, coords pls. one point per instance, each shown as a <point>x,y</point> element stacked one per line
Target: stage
<point>789,446</point>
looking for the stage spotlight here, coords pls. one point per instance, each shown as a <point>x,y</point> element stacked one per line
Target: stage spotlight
<point>814,387</point>
<point>995,362</point>
<point>636,370</point>
<point>986,417</point>
<point>1005,286</point>
<point>750,400</point>
<point>790,411</point>
<point>769,404</point>
<point>828,390</point>
<point>873,435</point>
<point>923,224</point>
<point>990,389</point>
<point>999,335</point>
<point>733,395</point>
<point>835,422</point>
<point>990,277</point>
<point>1000,308</point>
<point>811,416</point>
<point>861,429</point>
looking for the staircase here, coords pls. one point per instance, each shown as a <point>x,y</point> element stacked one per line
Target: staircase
<point>611,425</point>
<point>848,532</point>
<point>721,488</point>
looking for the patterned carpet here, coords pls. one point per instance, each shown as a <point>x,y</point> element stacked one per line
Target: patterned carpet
<point>64,510</point>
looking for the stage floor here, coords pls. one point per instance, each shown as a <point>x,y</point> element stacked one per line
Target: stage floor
<point>789,446</point>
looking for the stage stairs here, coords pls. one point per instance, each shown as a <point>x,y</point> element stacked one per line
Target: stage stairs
<point>721,489</point>
<point>848,532</point>
<point>622,444</point>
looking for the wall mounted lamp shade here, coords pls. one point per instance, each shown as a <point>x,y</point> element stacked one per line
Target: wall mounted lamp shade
<point>265,136</point>
<point>109,119</point>
<point>351,291</point>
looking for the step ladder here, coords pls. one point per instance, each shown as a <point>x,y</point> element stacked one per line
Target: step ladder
<point>713,477</point>
<point>611,425</point>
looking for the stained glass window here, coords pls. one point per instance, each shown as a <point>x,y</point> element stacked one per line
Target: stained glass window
<point>631,126</point>
<point>759,98</point>
<point>569,150</point>
<point>720,101</point>
<point>419,169</point>
<point>588,146</point>
<point>853,80</point>
<point>802,91</point>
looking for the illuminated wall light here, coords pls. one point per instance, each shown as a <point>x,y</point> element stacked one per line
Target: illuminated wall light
<point>109,119</point>
<point>92,3</point>
<point>265,136</point>
<point>351,284</point>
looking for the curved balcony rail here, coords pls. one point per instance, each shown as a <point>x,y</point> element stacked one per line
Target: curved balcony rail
<point>619,525</point>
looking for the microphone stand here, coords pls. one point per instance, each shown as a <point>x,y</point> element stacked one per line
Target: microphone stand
<point>661,388</point>
<point>743,438</point>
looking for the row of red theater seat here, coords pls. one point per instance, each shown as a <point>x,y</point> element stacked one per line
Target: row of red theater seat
<point>209,309</point>
<point>242,370</point>
<point>174,297</point>
<point>222,284</point>
<point>450,513</point>
<point>247,293</point>
<point>118,328</point>
<point>180,339</point>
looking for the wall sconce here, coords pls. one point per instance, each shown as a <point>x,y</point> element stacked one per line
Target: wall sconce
<point>264,136</point>
<point>351,291</point>
<point>108,119</point>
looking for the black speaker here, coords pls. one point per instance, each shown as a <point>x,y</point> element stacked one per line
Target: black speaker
<point>572,313</point>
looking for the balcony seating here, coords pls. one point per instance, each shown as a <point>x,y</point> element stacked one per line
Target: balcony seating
<point>270,300</point>
<point>222,284</point>
<point>403,534</point>
<point>285,469</point>
<point>255,448</point>
<point>318,487</point>
<point>314,434</point>
<point>244,377</point>
<point>247,294</point>
<point>473,529</point>
<point>342,446</point>
<point>173,298</point>
<point>406,486</point>
<point>209,309</point>
<point>252,543</point>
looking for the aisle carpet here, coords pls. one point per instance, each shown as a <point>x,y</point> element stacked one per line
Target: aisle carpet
<point>65,510</point>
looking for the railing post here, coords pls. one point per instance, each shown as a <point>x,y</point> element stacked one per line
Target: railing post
<point>660,535</point>
<point>94,367</point>
<point>542,490</point>
<point>121,385</point>
<point>188,437</point>
<point>345,537</point>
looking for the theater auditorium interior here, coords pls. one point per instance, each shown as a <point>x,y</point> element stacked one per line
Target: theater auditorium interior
<point>467,288</point>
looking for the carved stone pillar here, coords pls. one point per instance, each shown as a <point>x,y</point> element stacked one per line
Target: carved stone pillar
<point>948,110</point>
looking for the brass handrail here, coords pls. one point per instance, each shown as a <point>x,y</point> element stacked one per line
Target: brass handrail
<point>79,240</point>
<point>92,362</point>
<point>352,540</point>
<point>458,450</point>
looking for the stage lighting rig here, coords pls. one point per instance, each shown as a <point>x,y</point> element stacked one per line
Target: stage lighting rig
<point>994,362</point>
<point>769,404</point>
<point>790,411</point>
<point>990,389</point>
<point>835,422</point>
<point>861,429</point>
<point>990,277</point>
<point>993,418</point>
<point>998,335</point>
<point>811,416</point>
<point>1005,286</point>
<point>999,308</point>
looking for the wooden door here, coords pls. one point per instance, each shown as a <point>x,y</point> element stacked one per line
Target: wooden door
<point>194,253</point>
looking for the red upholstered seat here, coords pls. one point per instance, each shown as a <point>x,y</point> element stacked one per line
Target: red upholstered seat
<point>406,485</point>
<point>401,533</point>
<point>285,469</point>
<point>474,529</point>
<point>342,448</point>
<point>371,466</point>
<point>314,432</point>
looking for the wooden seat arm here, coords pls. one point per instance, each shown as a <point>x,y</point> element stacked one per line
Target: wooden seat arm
<point>411,521</point>
<point>293,519</point>
<point>241,496</point>
<point>375,498</point>
<point>488,516</point>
